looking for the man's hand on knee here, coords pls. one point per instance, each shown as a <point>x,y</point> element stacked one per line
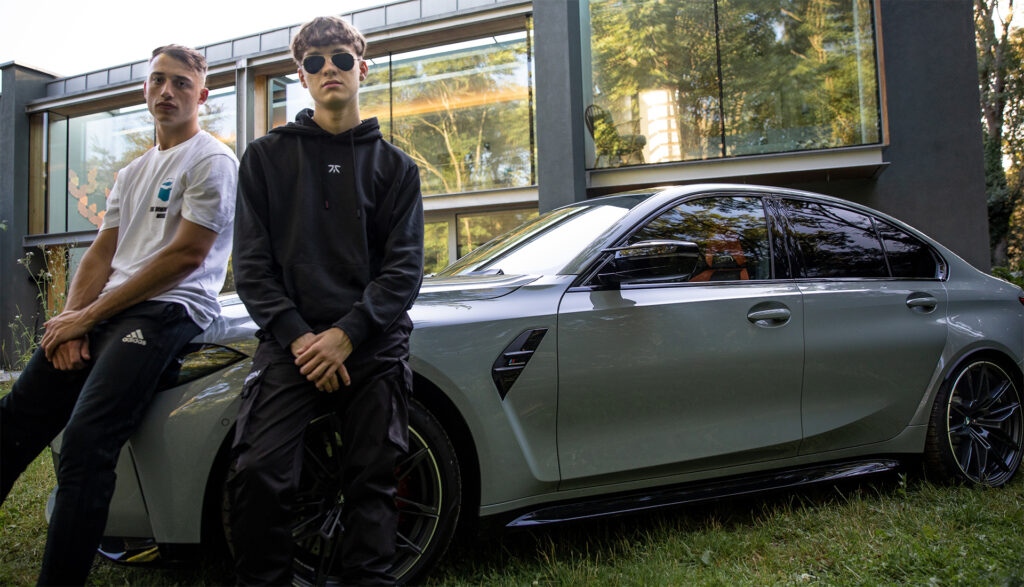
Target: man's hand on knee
<point>72,354</point>
<point>64,327</point>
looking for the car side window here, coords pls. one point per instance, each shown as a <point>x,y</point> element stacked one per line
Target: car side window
<point>909,257</point>
<point>730,232</point>
<point>832,242</point>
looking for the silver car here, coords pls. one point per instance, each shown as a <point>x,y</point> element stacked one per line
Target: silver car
<point>629,352</point>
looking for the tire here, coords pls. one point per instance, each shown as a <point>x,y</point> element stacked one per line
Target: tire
<point>429,501</point>
<point>977,426</point>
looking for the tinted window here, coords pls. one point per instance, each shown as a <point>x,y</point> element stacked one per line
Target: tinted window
<point>829,241</point>
<point>908,256</point>
<point>730,233</point>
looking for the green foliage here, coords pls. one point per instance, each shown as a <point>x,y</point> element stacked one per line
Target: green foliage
<point>1001,83</point>
<point>1014,276</point>
<point>884,531</point>
<point>52,281</point>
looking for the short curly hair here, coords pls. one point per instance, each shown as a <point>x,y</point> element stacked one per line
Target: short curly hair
<point>324,31</point>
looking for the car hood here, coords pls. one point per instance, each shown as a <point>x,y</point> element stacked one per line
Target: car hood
<point>462,288</point>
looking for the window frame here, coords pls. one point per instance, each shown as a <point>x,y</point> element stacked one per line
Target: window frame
<point>783,221</point>
<point>590,281</point>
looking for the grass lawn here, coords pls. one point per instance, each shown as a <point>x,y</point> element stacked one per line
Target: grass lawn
<point>891,529</point>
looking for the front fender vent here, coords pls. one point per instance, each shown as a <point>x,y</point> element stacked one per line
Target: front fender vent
<point>511,362</point>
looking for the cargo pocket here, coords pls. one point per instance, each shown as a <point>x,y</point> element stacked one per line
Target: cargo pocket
<point>401,387</point>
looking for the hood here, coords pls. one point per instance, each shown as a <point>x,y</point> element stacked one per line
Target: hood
<point>462,288</point>
<point>367,130</point>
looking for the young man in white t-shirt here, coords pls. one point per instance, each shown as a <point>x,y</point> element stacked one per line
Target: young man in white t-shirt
<point>145,287</point>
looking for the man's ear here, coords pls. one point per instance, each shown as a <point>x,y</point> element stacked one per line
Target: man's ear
<point>145,85</point>
<point>302,78</point>
<point>203,95</point>
<point>364,69</point>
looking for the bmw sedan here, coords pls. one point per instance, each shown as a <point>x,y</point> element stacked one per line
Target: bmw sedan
<point>628,352</point>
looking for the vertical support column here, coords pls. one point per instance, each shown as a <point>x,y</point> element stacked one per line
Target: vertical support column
<point>245,99</point>
<point>18,294</point>
<point>561,167</point>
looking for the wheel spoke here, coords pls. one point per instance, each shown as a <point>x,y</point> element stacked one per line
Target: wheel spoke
<point>406,543</point>
<point>981,450</point>
<point>408,464</point>
<point>965,454</point>
<point>960,430</point>
<point>997,417</point>
<point>420,509</point>
<point>1001,438</point>
<point>995,396</point>
<point>320,470</point>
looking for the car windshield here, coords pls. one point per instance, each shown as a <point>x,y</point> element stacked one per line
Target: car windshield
<point>544,245</point>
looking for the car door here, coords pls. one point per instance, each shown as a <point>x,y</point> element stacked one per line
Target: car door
<point>875,325</point>
<point>687,373</point>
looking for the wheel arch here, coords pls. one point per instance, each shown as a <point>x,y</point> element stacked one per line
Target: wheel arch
<point>435,400</point>
<point>212,532</point>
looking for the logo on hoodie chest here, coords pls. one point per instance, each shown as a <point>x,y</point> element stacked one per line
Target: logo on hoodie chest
<point>333,168</point>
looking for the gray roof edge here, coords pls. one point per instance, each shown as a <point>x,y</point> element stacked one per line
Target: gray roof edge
<point>347,15</point>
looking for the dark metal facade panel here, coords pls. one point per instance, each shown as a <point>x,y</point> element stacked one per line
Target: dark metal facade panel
<point>374,18</point>
<point>218,52</point>
<point>245,46</point>
<point>403,12</point>
<point>120,74</point>
<point>95,80</point>
<point>278,39</point>
<point>469,4</point>
<point>74,84</point>
<point>436,7</point>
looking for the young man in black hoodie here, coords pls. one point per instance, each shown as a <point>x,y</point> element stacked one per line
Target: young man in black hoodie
<point>328,258</point>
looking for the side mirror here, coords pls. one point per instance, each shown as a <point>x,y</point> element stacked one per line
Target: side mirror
<point>651,261</point>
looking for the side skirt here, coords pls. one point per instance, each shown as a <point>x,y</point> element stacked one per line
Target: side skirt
<point>704,491</point>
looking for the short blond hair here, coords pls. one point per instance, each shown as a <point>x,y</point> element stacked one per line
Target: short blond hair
<point>324,31</point>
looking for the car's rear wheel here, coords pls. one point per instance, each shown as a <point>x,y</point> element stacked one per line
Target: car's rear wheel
<point>429,500</point>
<point>977,426</point>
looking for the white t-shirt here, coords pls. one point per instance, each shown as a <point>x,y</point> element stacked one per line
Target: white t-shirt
<point>194,180</point>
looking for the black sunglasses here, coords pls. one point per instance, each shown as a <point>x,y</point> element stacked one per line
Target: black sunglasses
<point>314,63</point>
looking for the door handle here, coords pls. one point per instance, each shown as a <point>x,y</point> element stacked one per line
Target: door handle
<point>769,317</point>
<point>922,302</point>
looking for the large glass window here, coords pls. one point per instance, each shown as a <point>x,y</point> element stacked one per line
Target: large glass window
<point>461,111</point>
<point>677,80</point>
<point>85,154</point>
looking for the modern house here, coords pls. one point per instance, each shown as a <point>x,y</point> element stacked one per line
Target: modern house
<point>511,107</point>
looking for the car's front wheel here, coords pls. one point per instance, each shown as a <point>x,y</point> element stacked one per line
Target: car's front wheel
<point>977,426</point>
<point>429,500</point>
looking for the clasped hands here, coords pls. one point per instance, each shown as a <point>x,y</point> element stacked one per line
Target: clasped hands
<point>65,342</point>
<point>321,358</point>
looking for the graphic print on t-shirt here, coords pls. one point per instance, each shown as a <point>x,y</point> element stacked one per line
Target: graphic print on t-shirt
<point>163,195</point>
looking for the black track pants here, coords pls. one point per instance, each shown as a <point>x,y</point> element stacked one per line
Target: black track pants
<point>101,405</point>
<point>278,402</point>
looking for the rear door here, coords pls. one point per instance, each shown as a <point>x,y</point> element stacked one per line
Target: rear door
<point>874,324</point>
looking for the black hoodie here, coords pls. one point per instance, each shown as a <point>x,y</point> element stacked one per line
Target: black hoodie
<point>328,231</point>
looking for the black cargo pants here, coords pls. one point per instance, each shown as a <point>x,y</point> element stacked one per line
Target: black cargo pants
<point>278,402</point>
<point>101,405</point>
